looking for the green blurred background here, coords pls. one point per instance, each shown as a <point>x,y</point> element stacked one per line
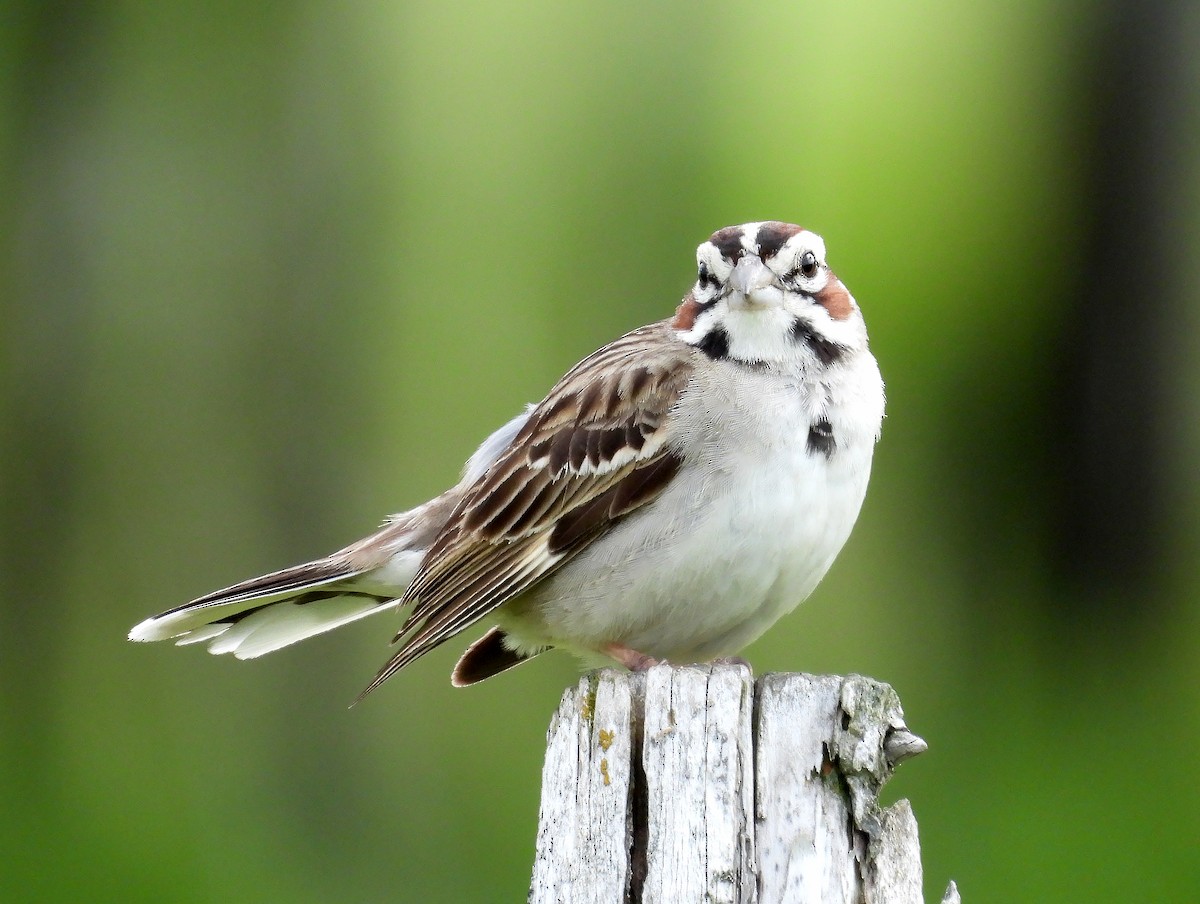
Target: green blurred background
<point>270,271</point>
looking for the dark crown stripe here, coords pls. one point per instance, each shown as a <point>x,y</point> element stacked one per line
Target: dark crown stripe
<point>771,237</point>
<point>729,242</point>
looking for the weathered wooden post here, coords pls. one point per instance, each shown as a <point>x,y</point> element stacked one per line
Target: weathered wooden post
<point>698,784</point>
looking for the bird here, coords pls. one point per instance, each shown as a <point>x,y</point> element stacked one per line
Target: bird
<point>676,493</point>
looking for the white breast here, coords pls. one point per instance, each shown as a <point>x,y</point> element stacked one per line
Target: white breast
<point>741,536</point>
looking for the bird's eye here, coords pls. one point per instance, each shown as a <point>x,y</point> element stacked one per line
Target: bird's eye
<point>705,277</point>
<point>808,265</point>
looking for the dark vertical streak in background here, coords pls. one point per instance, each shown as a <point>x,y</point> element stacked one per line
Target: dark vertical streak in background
<point>1112,431</point>
<point>43,340</point>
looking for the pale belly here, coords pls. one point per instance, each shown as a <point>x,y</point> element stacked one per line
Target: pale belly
<point>708,566</point>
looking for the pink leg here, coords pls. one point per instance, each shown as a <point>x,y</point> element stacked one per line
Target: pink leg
<point>631,659</point>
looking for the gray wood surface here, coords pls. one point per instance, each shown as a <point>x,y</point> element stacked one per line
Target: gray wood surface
<point>697,783</point>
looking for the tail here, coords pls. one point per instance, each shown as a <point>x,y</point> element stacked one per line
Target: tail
<point>266,613</point>
<point>488,656</point>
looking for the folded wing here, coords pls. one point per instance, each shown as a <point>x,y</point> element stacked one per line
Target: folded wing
<point>593,451</point>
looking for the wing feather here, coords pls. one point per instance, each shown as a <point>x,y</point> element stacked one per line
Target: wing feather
<point>594,450</point>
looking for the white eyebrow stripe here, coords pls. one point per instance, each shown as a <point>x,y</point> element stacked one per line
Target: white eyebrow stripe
<point>750,237</point>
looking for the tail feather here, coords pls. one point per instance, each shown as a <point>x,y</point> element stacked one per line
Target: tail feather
<point>488,656</point>
<point>286,622</point>
<point>201,634</point>
<point>267,613</point>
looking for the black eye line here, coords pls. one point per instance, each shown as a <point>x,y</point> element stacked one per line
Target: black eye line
<point>705,277</point>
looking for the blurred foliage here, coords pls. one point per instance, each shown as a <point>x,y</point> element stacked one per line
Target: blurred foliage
<point>270,271</point>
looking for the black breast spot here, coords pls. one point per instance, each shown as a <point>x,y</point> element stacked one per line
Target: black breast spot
<point>820,439</point>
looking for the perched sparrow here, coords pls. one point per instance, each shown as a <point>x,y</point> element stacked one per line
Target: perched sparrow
<point>676,492</point>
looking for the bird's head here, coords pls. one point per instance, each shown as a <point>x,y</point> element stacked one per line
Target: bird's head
<point>764,294</point>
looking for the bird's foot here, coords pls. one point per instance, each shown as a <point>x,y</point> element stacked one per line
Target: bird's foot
<point>631,659</point>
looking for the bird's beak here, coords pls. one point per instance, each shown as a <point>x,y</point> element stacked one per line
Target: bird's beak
<point>754,281</point>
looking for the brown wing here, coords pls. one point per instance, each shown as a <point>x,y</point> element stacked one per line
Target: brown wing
<point>594,450</point>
